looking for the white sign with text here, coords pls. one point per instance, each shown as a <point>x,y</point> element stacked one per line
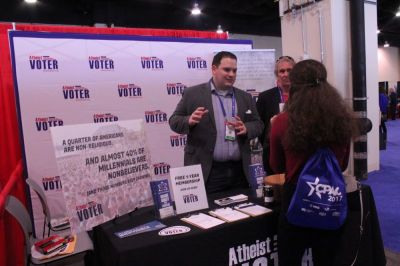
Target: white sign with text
<point>188,188</point>
<point>105,170</point>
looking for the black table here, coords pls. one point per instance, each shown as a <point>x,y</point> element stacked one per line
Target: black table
<point>252,241</point>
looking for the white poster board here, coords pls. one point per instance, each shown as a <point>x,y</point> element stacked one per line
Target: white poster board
<point>104,168</point>
<point>188,188</point>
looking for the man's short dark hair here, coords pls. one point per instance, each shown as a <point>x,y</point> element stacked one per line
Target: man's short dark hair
<point>220,55</point>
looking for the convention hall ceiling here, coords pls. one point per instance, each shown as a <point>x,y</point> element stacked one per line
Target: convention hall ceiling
<point>259,17</point>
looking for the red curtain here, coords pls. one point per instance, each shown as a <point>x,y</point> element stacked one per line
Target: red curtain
<point>11,238</point>
<point>125,31</point>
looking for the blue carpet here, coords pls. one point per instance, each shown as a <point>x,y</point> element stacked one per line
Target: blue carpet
<point>385,185</point>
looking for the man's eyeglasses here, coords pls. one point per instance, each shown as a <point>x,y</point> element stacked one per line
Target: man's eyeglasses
<point>285,57</point>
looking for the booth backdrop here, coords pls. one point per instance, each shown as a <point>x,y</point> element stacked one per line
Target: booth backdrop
<point>10,143</point>
<point>69,79</point>
<point>11,240</point>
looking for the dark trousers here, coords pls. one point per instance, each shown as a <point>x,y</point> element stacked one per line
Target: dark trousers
<point>382,134</point>
<point>294,240</point>
<point>392,111</point>
<point>225,176</point>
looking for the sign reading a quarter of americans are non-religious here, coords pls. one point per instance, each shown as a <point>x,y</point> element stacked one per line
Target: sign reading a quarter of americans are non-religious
<point>188,188</point>
<point>104,168</point>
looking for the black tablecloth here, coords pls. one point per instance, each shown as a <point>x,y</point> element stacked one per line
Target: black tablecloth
<point>252,241</point>
<point>370,246</point>
<point>248,240</point>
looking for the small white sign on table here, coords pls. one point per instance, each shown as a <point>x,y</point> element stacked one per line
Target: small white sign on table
<point>188,188</point>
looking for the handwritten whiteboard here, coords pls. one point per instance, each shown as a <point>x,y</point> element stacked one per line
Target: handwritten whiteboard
<point>255,69</point>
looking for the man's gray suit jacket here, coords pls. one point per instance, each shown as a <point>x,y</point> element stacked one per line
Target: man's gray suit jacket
<point>201,138</point>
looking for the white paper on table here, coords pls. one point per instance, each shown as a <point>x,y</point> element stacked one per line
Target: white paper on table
<point>203,220</point>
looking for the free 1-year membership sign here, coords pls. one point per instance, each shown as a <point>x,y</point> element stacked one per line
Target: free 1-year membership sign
<point>104,170</point>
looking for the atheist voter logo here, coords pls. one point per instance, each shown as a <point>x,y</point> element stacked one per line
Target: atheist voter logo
<point>43,63</point>
<point>263,251</point>
<point>129,91</point>
<point>155,117</point>
<point>151,63</point>
<point>175,88</point>
<point>44,123</point>
<point>51,183</point>
<point>161,169</point>
<point>75,92</point>
<point>102,63</point>
<point>89,210</point>
<point>190,198</point>
<point>177,141</point>
<point>196,63</point>
<point>103,118</point>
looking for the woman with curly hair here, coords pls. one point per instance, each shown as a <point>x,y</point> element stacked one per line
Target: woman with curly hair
<point>315,117</point>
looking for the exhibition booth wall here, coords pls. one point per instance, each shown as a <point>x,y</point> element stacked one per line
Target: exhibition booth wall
<point>11,242</point>
<point>63,76</point>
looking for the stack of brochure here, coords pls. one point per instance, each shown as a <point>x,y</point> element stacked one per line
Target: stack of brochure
<point>162,198</point>
<point>231,199</point>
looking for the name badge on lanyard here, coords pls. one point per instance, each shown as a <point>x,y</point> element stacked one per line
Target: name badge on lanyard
<point>230,130</point>
<point>230,133</point>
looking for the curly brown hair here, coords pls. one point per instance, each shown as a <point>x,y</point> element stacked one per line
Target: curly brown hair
<point>318,116</point>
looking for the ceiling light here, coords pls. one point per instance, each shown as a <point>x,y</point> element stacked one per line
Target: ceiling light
<point>378,31</point>
<point>31,1</point>
<point>398,12</point>
<point>220,30</point>
<point>196,10</point>
<point>386,44</point>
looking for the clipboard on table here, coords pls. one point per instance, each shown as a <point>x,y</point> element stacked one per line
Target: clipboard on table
<point>202,220</point>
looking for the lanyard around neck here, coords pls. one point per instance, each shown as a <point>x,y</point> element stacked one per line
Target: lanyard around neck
<point>281,95</point>
<point>222,105</point>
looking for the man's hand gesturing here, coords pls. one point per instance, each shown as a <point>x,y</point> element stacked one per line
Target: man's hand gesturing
<point>197,115</point>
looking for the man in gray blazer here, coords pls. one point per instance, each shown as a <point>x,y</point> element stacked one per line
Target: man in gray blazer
<point>219,120</point>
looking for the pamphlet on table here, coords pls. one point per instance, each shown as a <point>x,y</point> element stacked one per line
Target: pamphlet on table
<point>162,198</point>
<point>252,209</point>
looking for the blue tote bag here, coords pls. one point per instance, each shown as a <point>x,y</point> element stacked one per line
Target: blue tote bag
<point>320,198</point>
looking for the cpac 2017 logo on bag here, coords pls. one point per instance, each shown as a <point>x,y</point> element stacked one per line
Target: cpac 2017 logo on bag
<point>320,197</point>
<point>333,192</point>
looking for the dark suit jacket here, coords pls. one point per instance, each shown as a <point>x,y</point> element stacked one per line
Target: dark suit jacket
<point>201,138</point>
<point>267,106</point>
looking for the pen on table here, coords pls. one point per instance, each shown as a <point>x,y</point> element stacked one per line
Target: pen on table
<point>244,205</point>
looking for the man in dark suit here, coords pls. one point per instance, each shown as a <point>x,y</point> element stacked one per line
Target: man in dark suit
<point>271,102</point>
<point>219,121</point>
